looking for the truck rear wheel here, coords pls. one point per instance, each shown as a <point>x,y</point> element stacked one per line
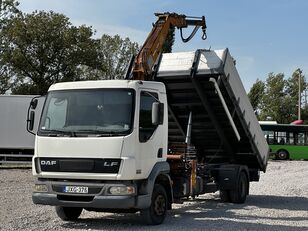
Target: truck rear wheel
<point>68,213</point>
<point>156,213</point>
<point>239,194</point>
<point>224,195</point>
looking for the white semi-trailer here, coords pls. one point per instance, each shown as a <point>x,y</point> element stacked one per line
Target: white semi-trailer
<point>16,144</point>
<point>132,145</point>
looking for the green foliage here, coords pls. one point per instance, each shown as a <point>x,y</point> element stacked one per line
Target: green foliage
<point>277,98</point>
<point>8,9</point>
<point>5,76</point>
<point>292,84</point>
<point>304,114</point>
<point>114,54</point>
<point>45,48</point>
<point>167,47</point>
<point>256,93</point>
<point>273,98</point>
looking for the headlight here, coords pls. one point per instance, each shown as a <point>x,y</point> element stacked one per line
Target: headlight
<point>40,188</point>
<point>122,190</point>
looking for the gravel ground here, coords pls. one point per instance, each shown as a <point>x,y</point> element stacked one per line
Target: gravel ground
<point>278,202</point>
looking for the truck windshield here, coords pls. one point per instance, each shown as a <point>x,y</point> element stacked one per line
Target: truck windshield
<point>98,112</point>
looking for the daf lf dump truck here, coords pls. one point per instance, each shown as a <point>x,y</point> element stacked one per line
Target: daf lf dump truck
<point>142,144</point>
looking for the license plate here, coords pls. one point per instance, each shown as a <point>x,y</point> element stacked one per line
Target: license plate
<point>76,189</point>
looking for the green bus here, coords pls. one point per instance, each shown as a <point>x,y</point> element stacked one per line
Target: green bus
<point>287,141</point>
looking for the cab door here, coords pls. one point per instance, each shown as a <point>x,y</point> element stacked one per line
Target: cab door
<point>150,136</point>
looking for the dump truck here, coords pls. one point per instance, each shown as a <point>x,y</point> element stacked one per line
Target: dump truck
<point>177,127</point>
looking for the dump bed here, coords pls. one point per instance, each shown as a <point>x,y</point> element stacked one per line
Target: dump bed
<point>224,126</point>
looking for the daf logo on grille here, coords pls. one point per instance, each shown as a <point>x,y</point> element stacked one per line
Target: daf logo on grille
<point>48,162</point>
<point>110,164</point>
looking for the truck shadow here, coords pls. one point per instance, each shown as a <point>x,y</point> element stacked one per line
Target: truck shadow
<point>258,213</point>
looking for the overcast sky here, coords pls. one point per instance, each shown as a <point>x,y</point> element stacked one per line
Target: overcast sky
<point>263,36</point>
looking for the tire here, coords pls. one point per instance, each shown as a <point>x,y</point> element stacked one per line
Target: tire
<point>224,195</point>
<point>239,194</point>
<point>156,213</point>
<point>68,213</point>
<point>282,155</point>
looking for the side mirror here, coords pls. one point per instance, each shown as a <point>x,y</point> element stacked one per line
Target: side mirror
<point>33,103</point>
<point>31,115</point>
<point>31,121</point>
<point>157,113</point>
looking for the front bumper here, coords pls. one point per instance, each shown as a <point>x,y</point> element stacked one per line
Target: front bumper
<point>99,199</point>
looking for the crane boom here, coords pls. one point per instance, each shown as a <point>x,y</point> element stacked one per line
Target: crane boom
<point>153,45</point>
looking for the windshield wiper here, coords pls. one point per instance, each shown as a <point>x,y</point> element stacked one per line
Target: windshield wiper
<point>84,132</point>
<point>57,132</point>
<point>102,133</point>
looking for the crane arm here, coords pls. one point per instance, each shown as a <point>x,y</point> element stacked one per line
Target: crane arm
<point>153,45</point>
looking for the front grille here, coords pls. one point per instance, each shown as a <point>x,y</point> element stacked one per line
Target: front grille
<point>85,165</point>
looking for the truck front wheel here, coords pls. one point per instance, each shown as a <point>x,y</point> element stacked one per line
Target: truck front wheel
<point>156,213</point>
<point>68,213</point>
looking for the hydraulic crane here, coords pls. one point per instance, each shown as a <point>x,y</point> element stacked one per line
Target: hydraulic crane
<point>153,45</point>
<point>149,54</point>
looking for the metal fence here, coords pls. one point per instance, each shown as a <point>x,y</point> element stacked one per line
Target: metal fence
<point>15,158</point>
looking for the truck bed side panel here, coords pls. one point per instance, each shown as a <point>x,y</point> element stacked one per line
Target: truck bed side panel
<point>224,126</point>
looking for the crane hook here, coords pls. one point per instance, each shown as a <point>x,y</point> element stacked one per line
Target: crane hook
<point>204,35</point>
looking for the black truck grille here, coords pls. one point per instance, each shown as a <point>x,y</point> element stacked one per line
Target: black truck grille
<point>79,165</point>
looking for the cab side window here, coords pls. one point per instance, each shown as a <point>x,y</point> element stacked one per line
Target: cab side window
<point>146,128</point>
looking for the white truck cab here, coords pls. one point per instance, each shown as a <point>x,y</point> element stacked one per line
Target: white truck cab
<point>109,120</point>
<point>98,139</point>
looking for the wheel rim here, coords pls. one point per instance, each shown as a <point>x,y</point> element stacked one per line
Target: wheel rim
<point>243,188</point>
<point>282,155</point>
<point>160,205</point>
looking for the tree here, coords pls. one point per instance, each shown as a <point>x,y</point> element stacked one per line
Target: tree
<point>292,86</point>
<point>5,76</point>
<point>272,103</point>
<point>44,48</point>
<point>8,9</point>
<point>292,89</point>
<point>277,98</point>
<point>167,47</point>
<point>255,94</point>
<point>114,55</point>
